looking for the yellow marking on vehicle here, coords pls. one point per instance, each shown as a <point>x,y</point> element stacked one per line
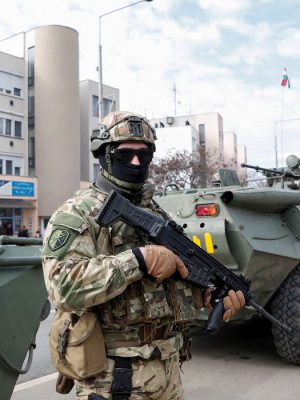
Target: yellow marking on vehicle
<point>209,243</point>
<point>197,240</point>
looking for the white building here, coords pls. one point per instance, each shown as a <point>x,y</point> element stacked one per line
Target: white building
<point>242,158</point>
<point>207,130</point>
<point>13,105</point>
<point>230,149</point>
<point>40,140</point>
<point>174,139</point>
<point>42,144</point>
<point>200,131</point>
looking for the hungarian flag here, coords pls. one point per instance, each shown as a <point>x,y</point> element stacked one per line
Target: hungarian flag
<point>285,79</point>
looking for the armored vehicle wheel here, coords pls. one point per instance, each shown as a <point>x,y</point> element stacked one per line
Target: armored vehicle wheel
<point>286,308</point>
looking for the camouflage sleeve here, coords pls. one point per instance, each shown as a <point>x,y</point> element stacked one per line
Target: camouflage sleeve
<point>78,275</point>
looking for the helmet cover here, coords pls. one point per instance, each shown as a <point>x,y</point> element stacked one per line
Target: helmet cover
<point>122,126</point>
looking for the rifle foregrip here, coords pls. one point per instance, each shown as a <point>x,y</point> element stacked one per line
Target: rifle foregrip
<point>215,317</point>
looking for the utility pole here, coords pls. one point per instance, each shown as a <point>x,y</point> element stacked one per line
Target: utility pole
<point>100,67</point>
<point>174,98</point>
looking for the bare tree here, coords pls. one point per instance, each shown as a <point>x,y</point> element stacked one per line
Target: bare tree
<point>185,169</point>
<point>175,168</point>
<point>254,179</point>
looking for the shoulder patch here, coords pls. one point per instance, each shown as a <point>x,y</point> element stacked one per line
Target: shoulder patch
<point>69,220</point>
<point>58,238</point>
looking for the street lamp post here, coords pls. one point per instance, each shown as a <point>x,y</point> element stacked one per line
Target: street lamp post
<point>100,88</point>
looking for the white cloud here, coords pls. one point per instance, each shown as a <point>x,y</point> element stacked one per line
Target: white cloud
<point>288,46</point>
<point>224,6</point>
<point>146,49</point>
<point>250,55</point>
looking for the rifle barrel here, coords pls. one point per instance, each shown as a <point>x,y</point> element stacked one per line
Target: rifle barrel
<point>261,169</point>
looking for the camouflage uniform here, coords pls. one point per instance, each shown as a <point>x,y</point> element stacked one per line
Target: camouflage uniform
<point>87,266</point>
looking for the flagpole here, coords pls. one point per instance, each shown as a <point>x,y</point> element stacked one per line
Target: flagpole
<point>285,82</point>
<point>275,146</point>
<point>281,125</point>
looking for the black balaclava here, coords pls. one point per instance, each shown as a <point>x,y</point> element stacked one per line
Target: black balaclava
<point>124,173</point>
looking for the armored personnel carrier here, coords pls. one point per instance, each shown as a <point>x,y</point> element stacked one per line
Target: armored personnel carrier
<point>254,232</point>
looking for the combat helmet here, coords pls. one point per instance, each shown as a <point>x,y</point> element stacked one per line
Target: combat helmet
<point>121,126</point>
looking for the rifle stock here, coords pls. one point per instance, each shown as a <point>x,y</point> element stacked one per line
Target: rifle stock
<point>204,270</point>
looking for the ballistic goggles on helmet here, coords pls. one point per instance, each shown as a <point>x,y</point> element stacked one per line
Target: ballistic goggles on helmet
<point>126,154</point>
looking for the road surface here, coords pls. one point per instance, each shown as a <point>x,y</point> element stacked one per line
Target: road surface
<point>240,363</point>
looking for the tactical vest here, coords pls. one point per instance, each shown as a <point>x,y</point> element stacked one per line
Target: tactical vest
<point>145,311</point>
<point>146,315</point>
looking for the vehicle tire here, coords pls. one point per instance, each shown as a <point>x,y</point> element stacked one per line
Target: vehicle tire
<point>286,308</point>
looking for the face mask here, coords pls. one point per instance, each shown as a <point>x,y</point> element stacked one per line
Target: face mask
<point>130,173</point>
<point>125,171</point>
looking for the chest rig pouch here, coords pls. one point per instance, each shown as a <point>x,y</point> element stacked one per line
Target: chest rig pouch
<point>76,345</point>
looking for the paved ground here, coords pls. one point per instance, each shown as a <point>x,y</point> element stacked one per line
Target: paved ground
<point>238,364</point>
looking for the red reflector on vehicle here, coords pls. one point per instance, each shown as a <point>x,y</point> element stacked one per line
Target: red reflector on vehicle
<point>206,210</point>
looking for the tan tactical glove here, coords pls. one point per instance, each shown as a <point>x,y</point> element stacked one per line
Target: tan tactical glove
<point>232,303</point>
<point>162,263</point>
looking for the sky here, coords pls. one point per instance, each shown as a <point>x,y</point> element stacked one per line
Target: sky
<point>224,56</point>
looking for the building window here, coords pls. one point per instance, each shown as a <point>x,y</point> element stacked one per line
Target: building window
<point>202,134</point>
<point>31,106</point>
<point>95,106</point>
<point>18,129</point>
<point>31,147</point>
<point>6,212</point>
<point>5,81</point>
<point>31,63</point>
<point>1,126</point>
<point>31,162</point>
<point>11,83</point>
<point>31,119</point>
<point>108,106</point>
<point>8,127</point>
<point>17,171</point>
<point>31,156</point>
<point>17,92</point>
<point>11,218</point>
<point>30,122</point>
<point>18,212</point>
<point>9,167</point>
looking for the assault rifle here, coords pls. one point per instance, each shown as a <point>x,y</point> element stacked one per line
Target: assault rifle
<point>204,270</point>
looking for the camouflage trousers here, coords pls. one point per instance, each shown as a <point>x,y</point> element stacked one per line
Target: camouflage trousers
<point>152,379</point>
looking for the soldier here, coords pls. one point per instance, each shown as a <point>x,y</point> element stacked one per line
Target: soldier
<point>23,232</point>
<point>145,314</point>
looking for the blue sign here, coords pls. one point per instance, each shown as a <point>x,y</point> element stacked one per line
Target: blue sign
<point>24,189</point>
